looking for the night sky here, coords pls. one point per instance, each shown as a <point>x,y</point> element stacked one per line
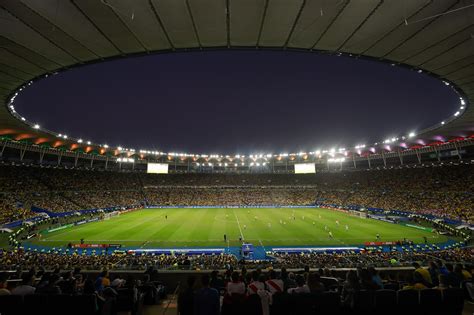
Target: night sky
<point>237,102</point>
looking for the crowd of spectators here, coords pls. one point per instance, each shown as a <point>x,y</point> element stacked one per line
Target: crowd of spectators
<point>442,190</point>
<point>375,258</point>
<point>14,259</point>
<point>267,285</point>
<point>218,291</point>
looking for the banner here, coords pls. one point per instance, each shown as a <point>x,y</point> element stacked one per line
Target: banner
<point>379,243</point>
<point>418,227</point>
<point>95,245</point>
<point>59,228</point>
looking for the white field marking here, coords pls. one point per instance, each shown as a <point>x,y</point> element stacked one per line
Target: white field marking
<point>324,239</point>
<point>238,223</point>
<point>219,218</point>
<point>141,241</point>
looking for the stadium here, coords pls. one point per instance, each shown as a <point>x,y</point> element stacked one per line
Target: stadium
<point>379,227</point>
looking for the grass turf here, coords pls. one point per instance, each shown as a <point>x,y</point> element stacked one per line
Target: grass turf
<point>184,227</point>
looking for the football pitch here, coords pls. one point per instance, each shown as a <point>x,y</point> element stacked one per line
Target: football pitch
<point>205,227</point>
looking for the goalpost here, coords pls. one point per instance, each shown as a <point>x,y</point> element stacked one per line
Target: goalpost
<point>362,213</point>
<point>109,215</point>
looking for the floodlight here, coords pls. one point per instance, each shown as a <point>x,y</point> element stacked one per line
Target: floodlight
<point>411,134</point>
<point>36,126</point>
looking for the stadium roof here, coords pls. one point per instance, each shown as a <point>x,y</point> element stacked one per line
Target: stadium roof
<point>39,38</point>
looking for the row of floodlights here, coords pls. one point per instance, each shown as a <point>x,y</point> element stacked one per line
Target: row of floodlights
<point>125,160</point>
<point>231,164</point>
<point>238,156</point>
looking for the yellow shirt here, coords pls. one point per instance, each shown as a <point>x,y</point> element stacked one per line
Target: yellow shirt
<point>467,275</point>
<point>106,282</point>
<point>425,274</point>
<point>416,286</point>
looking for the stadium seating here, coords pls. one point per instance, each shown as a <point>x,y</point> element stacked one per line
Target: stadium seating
<point>445,191</point>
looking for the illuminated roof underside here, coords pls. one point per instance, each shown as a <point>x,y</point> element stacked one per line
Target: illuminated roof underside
<point>42,37</point>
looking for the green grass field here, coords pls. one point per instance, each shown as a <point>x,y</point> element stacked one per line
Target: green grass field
<point>148,228</point>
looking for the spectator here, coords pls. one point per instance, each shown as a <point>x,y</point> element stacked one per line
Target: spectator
<point>301,286</point>
<point>350,287</point>
<point>314,283</point>
<point>186,297</point>
<point>424,273</point>
<point>51,288</point>
<point>235,286</point>
<point>26,287</point>
<point>274,284</point>
<point>415,282</point>
<point>257,283</point>
<point>206,299</point>
<point>3,284</point>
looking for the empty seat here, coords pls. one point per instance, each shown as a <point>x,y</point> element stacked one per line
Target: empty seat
<point>391,286</point>
<point>304,304</point>
<point>431,302</point>
<point>329,303</point>
<point>364,302</point>
<point>253,305</point>
<point>408,302</point>
<point>59,303</point>
<point>11,304</point>
<point>36,304</point>
<point>453,301</point>
<point>234,304</point>
<point>386,301</point>
<point>280,304</point>
<point>85,304</point>
<point>125,300</point>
